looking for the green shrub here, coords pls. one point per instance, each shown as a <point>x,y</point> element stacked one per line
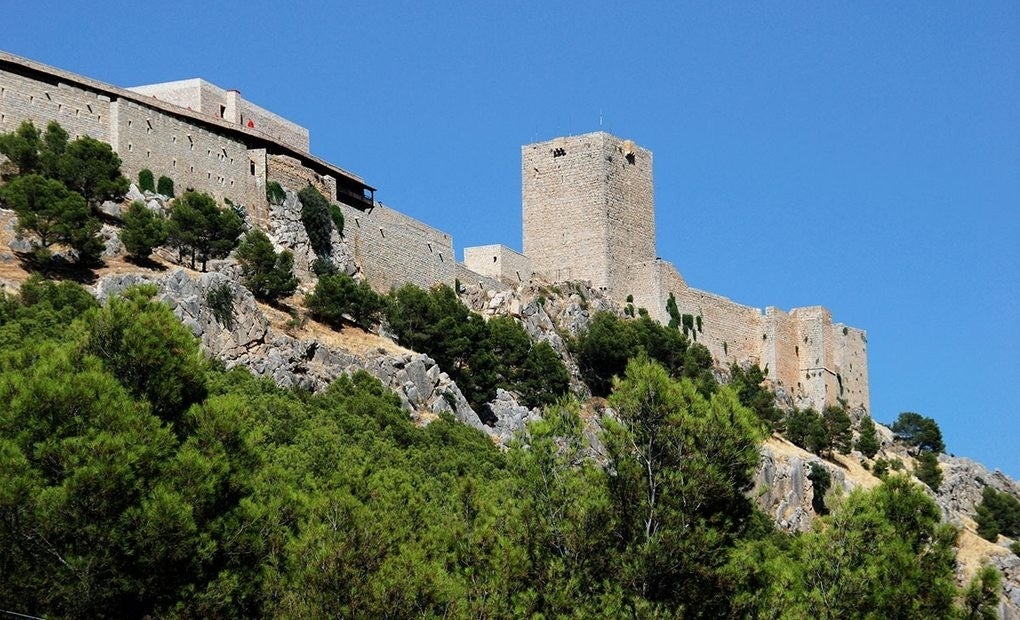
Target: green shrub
<point>602,351</point>
<point>919,431</point>
<point>821,480</point>
<point>337,216</point>
<point>998,513</point>
<point>867,441</point>
<point>221,302</point>
<point>316,219</point>
<point>199,228</point>
<point>165,187</point>
<point>146,182</point>
<point>338,295</point>
<point>480,356</point>
<point>275,193</point>
<point>928,470</point>
<point>143,230</point>
<point>268,275</point>
<point>323,266</point>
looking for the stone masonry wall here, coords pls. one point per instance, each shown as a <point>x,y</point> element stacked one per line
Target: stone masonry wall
<point>782,349</point>
<point>392,248</point>
<point>192,156</point>
<point>288,172</point>
<point>79,112</point>
<point>588,208</point>
<point>468,277</point>
<point>850,361</point>
<point>630,207</point>
<point>498,262</point>
<point>818,379</point>
<point>228,105</point>
<point>564,233</point>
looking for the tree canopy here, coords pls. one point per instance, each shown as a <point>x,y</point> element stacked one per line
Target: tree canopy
<point>140,479</point>
<point>200,228</point>
<point>267,274</point>
<point>917,430</point>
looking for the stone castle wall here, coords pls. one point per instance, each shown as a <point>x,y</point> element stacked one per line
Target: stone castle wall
<point>589,214</point>
<point>469,277</point>
<point>193,134</point>
<point>393,249</point>
<point>498,262</point>
<point>192,156</point>
<point>79,112</point>
<point>813,359</point>
<point>290,173</point>
<point>587,208</point>
<point>211,100</point>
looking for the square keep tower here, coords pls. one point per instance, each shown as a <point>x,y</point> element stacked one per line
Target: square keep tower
<point>589,210</point>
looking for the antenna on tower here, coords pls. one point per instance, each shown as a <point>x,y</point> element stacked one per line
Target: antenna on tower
<point>600,119</point>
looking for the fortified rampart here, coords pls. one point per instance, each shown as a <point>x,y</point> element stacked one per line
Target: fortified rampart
<point>211,100</point>
<point>393,248</point>
<point>499,263</point>
<point>588,214</point>
<point>588,208</point>
<point>588,211</point>
<point>202,136</point>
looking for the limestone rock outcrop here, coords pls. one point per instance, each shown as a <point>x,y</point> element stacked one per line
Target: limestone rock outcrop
<point>287,231</point>
<point>247,339</point>
<point>549,313</point>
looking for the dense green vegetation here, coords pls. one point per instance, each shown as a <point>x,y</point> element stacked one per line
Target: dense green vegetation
<point>56,184</point>
<point>998,513</point>
<point>479,355</point>
<point>199,228</point>
<point>142,479</point>
<point>337,295</point>
<point>143,231</point>
<point>267,274</point>
<point>165,186</point>
<point>602,351</point>
<point>316,218</point>
<point>867,441</point>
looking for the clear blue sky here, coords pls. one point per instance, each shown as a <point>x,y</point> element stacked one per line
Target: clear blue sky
<point>864,156</point>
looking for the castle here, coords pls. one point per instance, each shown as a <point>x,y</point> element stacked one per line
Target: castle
<point>588,214</point>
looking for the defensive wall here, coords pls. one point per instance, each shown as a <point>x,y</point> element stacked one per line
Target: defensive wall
<point>588,208</point>
<point>211,100</point>
<point>201,137</point>
<point>499,263</point>
<point>392,248</point>
<point>588,213</point>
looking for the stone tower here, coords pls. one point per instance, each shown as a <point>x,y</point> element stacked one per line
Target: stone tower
<point>589,210</point>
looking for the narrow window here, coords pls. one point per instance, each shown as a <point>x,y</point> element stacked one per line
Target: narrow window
<point>251,167</point>
<point>223,111</point>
